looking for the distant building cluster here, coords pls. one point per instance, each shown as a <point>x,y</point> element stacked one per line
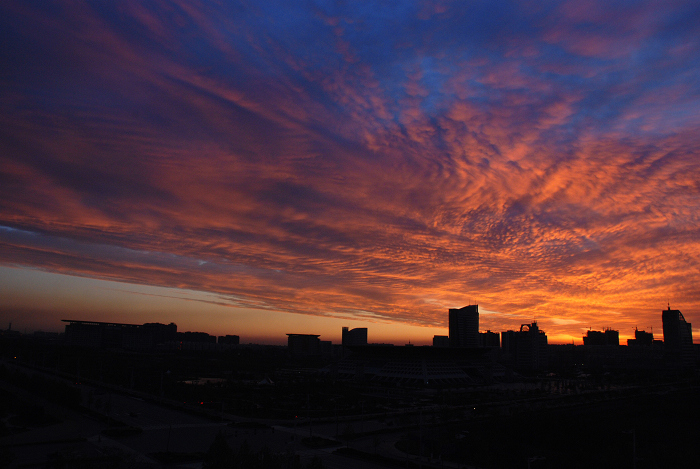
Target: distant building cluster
<point>526,347</point>
<point>149,336</point>
<point>466,352</point>
<point>309,345</point>
<point>527,350</point>
<point>643,339</point>
<point>609,337</point>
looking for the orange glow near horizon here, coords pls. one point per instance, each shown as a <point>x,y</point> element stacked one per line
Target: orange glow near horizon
<point>56,297</point>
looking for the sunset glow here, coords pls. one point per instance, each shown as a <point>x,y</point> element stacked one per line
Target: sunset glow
<point>248,168</point>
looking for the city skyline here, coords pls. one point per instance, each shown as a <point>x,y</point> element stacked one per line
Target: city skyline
<point>272,169</point>
<point>331,334</point>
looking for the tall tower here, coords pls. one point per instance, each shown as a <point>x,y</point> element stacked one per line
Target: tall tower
<point>678,337</point>
<point>464,326</point>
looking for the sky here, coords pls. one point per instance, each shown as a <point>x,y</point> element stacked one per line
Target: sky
<point>262,168</point>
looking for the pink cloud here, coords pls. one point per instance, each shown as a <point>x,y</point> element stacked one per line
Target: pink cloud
<point>297,186</point>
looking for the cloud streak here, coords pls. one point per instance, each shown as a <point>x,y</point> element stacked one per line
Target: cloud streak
<point>328,160</point>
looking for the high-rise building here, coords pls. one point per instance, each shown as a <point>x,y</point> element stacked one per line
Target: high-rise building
<point>532,352</point>
<point>678,337</point>
<point>464,326</point>
<point>509,344</point>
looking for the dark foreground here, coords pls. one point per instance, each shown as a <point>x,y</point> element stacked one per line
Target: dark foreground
<point>128,411</point>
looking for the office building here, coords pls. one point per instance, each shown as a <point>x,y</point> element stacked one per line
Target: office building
<point>532,352</point>
<point>441,341</point>
<point>304,345</point>
<point>464,326</point>
<point>678,338</point>
<point>356,336</point>
<point>509,345</point>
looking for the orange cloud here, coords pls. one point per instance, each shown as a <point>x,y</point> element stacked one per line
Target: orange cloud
<point>310,168</point>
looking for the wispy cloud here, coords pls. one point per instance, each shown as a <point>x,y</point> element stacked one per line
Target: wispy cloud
<point>365,161</point>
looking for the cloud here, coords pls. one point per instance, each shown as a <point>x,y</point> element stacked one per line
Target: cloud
<point>538,158</point>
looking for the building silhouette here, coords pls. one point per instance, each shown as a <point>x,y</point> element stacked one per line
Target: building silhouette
<point>441,341</point>
<point>609,337</point>
<point>196,337</point>
<point>304,345</point>
<point>509,345</point>
<point>489,339</point>
<point>642,339</point>
<point>527,348</point>
<point>356,336</point>
<point>95,334</point>
<point>7,333</point>
<point>678,338</point>
<point>229,340</point>
<point>145,337</point>
<point>464,326</point>
<point>532,351</point>
<point>161,333</point>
